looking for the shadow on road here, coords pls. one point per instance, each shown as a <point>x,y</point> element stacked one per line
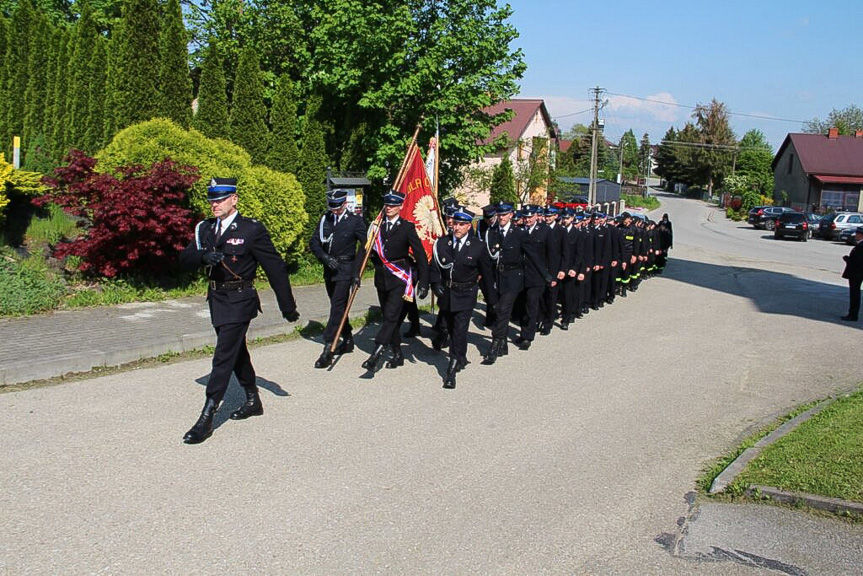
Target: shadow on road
<point>772,292</point>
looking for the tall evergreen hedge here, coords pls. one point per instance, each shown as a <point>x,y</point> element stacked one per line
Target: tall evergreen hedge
<point>248,111</point>
<point>503,183</point>
<point>212,117</point>
<point>274,198</point>
<point>17,51</point>
<point>175,84</point>
<point>82,73</point>
<point>94,130</point>
<point>283,153</point>
<point>136,85</point>
<point>4,31</point>
<point>312,172</point>
<point>58,113</point>
<point>37,69</point>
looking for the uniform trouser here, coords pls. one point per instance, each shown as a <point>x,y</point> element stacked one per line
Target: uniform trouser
<point>489,315</point>
<point>391,302</point>
<point>613,274</point>
<point>599,286</point>
<point>339,291</point>
<point>410,311</point>
<point>549,302</point>
<point>231,355</point>
<point>662,259</point>
<point>854,297</point>
<point>570,291</point>
<point>584,292</point>
<point>505,302</point>
<point>442,322</point>
<point>531,304</point>
<point>459,322</point>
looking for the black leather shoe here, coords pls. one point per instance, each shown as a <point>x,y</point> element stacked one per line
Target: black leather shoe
<point>493,350</point>
<point>326,357</point>
<point>503,350</point>
<point>461,364</point>
<point>524,345</point>
<point>412,332</point>
<point>372,361</point>
<point>449,379</point>
<point>518,340</point>
<point>546,330</point>
<point>849,318</point>
<point>440,341</point>
<point>252,407</point>
<point>203,428</point>
<point>398,359</point>
<point>346,346</point>
<point>564,326</point>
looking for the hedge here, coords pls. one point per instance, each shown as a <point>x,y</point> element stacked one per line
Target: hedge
<point>274,198</point>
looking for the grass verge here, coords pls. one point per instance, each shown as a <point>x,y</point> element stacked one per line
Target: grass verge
<point>633,201</point>
<point>822,456</point>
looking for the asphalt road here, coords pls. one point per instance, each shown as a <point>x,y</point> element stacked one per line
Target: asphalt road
<point>576,457</point>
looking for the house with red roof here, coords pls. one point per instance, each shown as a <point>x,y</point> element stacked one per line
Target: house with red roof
<point>820,172</point>
<point>528,133</point>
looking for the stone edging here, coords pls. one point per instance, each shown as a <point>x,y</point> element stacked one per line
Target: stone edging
<point>770,492</point>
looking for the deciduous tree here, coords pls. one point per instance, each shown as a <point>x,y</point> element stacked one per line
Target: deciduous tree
<point>847,120</point>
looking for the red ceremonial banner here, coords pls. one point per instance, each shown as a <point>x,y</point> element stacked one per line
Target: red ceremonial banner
<point>420,206</point>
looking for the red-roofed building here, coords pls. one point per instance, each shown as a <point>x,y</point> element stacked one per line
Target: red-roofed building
<point>529,131</point>
<point>820,172</point>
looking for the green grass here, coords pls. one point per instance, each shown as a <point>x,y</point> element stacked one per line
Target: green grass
<point>51,229</point>
<point>631,200</point>
<point>823,456</point>
<point>718,465</point>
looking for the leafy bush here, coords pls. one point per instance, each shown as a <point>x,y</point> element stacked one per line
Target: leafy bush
<point>274,198</point>
<point>27,286</point>
<point>17,182</point>
<point>137,220</point>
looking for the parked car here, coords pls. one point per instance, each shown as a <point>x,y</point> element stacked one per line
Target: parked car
<point>765,216</point>
<point>793,224</point>
<point>813,220</point>
<point>832,227</point>
<point>847,236</point>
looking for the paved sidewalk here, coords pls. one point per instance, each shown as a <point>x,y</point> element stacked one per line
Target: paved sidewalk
<point>52,345</point>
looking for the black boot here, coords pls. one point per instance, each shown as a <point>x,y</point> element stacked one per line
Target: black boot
<point>503,350</point>
<point>203,428</point>
<point>372,362</point>
<point>252,407</point>
<point>461,364</point>
<point>398,358</point>
<point>346,346</point>
<point>546,329</point>
<point>440,340</point>
<point>326,357</point>
<point>449,379</point>
<point>564,325</point>
<point>413,331</point>
<point>524,345</point>
<point>493,351</point>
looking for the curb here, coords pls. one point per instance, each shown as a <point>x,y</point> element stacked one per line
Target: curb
<point>728,475</point>
<point>835,505</point>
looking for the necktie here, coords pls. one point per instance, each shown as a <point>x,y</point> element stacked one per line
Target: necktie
<point>218,230</point>
<point>389,227</point>
<point>458,244</point>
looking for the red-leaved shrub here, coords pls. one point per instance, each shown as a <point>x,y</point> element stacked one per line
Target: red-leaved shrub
<point>135,220</point>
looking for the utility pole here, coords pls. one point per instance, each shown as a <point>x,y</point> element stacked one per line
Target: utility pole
<point>591,191</point>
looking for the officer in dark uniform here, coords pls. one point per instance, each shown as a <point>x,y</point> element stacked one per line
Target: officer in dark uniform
<point>508,246</point>
<point>602,261</point>
<point>666,242</point>
<point>489,218</point>
<point>574,266</point>
<point>338,242</point>
<point>231,247</point>
<point>853,272</point>
<point>558,254</point>
<point>460,261</point>
<point>627,255</point>
<point>536,274</point>
<point>393,280</point>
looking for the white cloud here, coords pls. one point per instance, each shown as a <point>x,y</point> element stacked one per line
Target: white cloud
<point>654,107</point>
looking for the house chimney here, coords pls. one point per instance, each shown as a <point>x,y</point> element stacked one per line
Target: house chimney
<point>833,133</point>
<point>858,134</point>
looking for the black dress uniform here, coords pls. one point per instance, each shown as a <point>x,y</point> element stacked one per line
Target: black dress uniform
<point>536,278</point>
<point>574,266</point>
<point>338,242</point>
<point>489,217</point>
<point>557,252</point>
<point>458,267</point>
<point>854,274</point>
<point>231,258</point>
<point>666,241</point>
<point>398,238</point>
<point>509,248</point>
<point>601,264</point>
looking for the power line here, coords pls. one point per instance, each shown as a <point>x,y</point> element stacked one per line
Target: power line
<point>758,116</point>
<point>574,113</point>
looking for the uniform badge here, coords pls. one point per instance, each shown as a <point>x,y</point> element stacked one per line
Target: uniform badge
<point>235,241</point>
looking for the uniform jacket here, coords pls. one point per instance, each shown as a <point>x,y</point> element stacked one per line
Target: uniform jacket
<point>628,241</point>
<point>246,244</point>
<point>558,249</point>
<point>467,268</point>
<point>666,234</point>
<point>397,245</point>
<point>536,269</point>
<point>346,243</point>
<point>575,250</point>
<point>509,254</point>
<point>854,263</point>
<point>602,246</point>
<point>586,247</point>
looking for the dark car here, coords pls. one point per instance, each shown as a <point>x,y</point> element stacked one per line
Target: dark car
<point>792,224</point>
<point>765,216</point>
<point>847,236</point>
<point>825,226</point>
<point>813,220</point>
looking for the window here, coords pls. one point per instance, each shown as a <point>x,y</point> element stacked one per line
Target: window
<point>854,220</point>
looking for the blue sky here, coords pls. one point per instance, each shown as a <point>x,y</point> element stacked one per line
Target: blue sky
<point>789,59</point>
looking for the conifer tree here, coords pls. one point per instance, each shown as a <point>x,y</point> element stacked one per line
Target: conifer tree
<point>50,86</point>
<point>503,183</point>
<point>34,97</point>
<point>136,85</point>
<point>4,30</point>
<point>212,116</point>
<point>18,48</point>
<point>283,154</point>
<point>112,71</point>
<point>248,111</point>
<point>94,129</point>
<point>174,81</point>
<point>313,162</point>
<point>61,82</point>
<point>81,69</point>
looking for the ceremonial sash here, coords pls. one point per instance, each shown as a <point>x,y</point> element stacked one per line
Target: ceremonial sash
<point>405,276</point>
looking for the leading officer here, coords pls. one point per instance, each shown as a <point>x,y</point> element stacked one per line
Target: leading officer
<point>230,247</point>
<point>338,243</point>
